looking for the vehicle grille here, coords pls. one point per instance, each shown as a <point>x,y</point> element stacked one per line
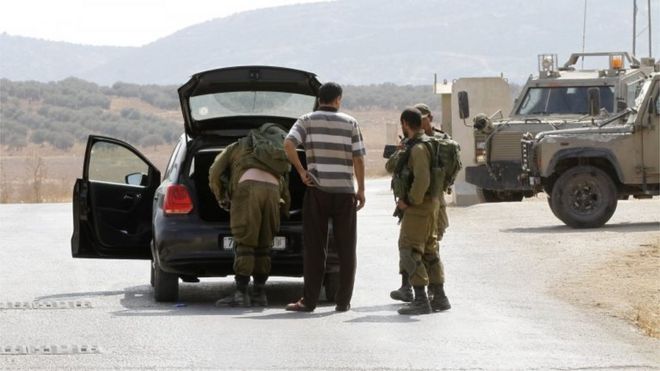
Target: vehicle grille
<point>505,146</point>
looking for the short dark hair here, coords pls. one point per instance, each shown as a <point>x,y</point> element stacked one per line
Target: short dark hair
<point>413,117</point>
<point>329,91</point>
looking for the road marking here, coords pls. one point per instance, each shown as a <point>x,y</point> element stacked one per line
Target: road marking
<point>46,304</point>
<point>14,350</point>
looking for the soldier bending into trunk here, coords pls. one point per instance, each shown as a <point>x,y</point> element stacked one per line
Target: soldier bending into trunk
<point>258,189</point>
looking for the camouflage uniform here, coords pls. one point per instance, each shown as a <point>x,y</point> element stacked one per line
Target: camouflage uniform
<point>254,216</point>
<point>426,242</point>
<point>418,225</point>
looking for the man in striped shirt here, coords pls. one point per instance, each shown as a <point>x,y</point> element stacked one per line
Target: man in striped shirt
<point>335,154</point>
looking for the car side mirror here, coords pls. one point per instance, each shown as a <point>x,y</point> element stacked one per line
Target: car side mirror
<point>139,179</point>
<point>463,105</point>
<point>389,150</point>
<point>656,106</point>
<point>594,101</point>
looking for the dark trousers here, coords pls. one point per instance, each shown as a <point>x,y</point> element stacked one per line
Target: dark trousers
<point>318,208</point>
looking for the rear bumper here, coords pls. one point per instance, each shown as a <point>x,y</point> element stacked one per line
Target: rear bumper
<point>504,175</point>
<point>185,245</point>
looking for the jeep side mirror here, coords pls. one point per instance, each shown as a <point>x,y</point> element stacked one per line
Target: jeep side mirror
<point>463,105</point>
<point>594,101</point>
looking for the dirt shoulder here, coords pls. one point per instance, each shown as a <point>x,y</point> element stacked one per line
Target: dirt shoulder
<point>626,285</point>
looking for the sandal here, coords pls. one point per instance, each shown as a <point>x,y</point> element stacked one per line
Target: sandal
<point>298,306</point>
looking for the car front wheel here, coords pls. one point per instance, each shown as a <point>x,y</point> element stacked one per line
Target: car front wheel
<point>584,197</point>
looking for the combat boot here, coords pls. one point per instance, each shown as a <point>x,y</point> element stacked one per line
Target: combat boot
<point>258,296</point>
<point>420,305</point>
<point>440,301</point>
<point>403,293</point>
<point>239,298</point>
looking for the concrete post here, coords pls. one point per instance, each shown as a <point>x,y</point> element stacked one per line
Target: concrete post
<point>486,95</point>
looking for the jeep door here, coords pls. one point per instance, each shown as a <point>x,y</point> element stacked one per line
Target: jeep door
<point>113,202</point>
<point>650,130</point>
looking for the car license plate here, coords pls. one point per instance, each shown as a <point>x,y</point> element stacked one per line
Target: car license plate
<point>279,243</point>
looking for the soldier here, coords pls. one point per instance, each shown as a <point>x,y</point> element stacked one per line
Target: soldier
<point>430,257</point>
<point>258,189</point>
<point>417,207</point>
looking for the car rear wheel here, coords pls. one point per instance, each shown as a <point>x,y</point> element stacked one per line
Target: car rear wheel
<point>584,197</point>
<point>166,285</point>
<point>492,195</point>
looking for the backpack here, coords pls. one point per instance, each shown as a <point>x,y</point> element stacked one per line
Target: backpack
<point>445,162</point>
<point>265,150</point>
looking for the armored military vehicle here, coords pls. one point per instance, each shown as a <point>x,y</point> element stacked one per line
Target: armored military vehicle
<point>556,99</point>
<point>586,170</point>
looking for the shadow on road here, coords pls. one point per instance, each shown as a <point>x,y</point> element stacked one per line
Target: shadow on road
<point>194,299</point>
<point>620,227</point>
<point>199,299</point>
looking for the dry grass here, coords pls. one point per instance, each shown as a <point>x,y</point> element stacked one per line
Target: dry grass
<point>625,286</point>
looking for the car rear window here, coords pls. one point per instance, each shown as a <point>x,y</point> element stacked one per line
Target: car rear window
<point>250,103</point>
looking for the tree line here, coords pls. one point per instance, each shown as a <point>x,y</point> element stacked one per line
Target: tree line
<point>65,112</point>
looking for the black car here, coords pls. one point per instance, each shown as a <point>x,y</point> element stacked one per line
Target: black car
<point>123,209</point>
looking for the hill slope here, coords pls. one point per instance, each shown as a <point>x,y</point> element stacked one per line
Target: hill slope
<point>370,41</point>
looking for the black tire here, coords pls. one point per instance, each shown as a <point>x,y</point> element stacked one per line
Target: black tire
<point>166,285</point>
<point>584,197</point>
<point>492,195</point>
<point>554,212</point>
<point>331,285</point>
<point>152,277</point>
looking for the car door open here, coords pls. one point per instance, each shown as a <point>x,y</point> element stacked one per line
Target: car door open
<point>113,202</point>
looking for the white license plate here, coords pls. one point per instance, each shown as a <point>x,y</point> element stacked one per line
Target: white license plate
<point>279,243</point>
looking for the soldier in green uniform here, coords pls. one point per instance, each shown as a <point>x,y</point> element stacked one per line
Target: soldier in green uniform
<point>416,206</point>
<point>439,300</point>
<point>258,189</point>
<point>430,257</point>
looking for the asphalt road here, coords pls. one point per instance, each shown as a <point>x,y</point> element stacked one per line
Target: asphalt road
<point>502,260</point>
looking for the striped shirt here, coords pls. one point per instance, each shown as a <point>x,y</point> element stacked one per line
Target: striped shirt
<point>331,139</point>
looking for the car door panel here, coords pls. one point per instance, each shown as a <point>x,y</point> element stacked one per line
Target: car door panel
<point>112,219</point>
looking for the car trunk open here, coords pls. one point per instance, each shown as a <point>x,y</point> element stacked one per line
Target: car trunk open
<point>208,207</point>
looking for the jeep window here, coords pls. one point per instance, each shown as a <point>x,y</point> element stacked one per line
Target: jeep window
<point>633,89</point>
<point>563,100</point>
<point>250,103</point>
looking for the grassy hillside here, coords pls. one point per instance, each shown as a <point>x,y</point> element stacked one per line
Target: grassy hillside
<point>44,127</point>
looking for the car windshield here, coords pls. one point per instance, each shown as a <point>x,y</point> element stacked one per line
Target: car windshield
<point>250,103</point>
<point>563,100</point>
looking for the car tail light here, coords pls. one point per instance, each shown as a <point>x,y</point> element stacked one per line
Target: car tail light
<point>177,200</point>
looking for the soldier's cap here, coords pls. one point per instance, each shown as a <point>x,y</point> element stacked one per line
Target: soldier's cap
<point>424,109</point>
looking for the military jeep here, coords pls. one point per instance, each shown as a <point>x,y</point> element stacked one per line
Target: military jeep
<point>556,99</point>
<point>586,170</point>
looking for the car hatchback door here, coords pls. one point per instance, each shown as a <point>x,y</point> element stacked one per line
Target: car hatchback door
<point>113,202</point>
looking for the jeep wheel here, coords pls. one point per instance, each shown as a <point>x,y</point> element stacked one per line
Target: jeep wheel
<point>552,208</point>
<point>584,197</point>
<point>492,195</point>
<point>166,285</point>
